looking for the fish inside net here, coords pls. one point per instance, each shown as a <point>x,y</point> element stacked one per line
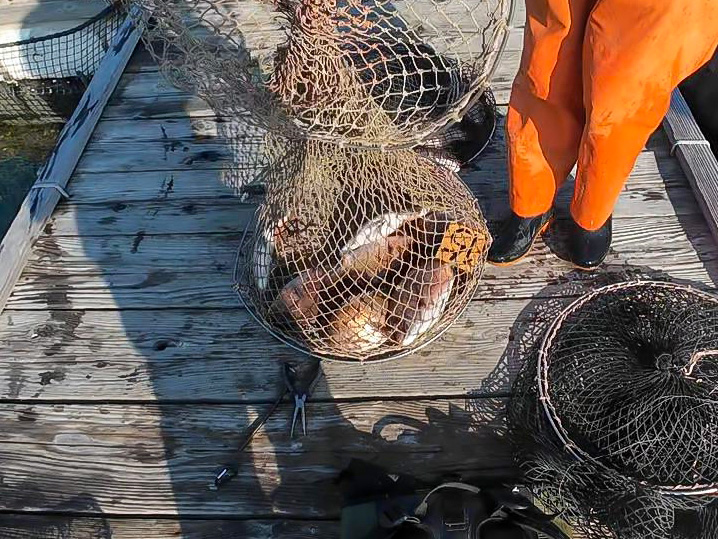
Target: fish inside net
<point>361,254</point>
<point>334,70</point>
<point>362,248</point>
<point>616,418</point>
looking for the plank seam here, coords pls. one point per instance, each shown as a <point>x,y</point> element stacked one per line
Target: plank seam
<point>257,402</point>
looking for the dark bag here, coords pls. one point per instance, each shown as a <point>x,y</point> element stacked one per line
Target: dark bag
<point>379,505</point>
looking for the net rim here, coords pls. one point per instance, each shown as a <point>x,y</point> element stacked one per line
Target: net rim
<point>543,384</point>
<point>373,359</point>
<point>112,7</point>
<point>409,137</point>
<point>296,345</point>
<point>458,111</point>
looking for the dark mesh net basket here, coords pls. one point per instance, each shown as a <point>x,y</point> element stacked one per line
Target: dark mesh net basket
<point>361,254</point>
<point>370,73</point>
<point>616,418</point>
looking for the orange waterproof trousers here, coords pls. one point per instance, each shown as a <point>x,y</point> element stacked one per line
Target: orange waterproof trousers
<point>595,81</point>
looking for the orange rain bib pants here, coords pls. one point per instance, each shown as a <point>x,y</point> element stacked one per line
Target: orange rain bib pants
<point>595,81</point>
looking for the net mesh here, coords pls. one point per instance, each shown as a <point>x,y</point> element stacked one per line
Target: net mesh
<point>361,254</point>
<point>616,416</point>
<point>41,79</point>
<point>361,72</point>
<point>357,253</point>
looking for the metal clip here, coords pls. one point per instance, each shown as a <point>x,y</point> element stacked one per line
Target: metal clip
<point>688,142</point>
<point>43,185</point>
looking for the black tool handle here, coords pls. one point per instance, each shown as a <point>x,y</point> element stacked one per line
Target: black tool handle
<point>229,471</point>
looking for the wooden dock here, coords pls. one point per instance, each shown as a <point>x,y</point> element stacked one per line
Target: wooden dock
<point>129,370</point>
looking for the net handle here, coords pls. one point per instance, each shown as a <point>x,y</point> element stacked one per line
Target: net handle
<point>542,366</point>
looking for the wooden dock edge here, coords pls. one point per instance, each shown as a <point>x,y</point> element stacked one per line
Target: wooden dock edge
<point>52,179</point>
<point>696,157</point>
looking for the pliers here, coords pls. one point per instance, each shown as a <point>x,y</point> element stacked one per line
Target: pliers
<point>289,375</point>
<point>300,391</point>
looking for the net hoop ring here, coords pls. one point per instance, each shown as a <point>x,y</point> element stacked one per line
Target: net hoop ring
<point>237,286</point>
<point>296,345</point>
<point>551,413</point>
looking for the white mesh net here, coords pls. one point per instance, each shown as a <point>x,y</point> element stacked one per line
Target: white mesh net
<point>363,72</point>
<point>362,248</point>
<point>343,266</point>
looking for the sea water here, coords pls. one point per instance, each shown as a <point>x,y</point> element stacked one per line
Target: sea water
<point>23,151</point>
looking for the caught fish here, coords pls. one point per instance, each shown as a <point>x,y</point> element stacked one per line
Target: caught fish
<point>419,300</point>
<point>357,327</point>
<point>300,299</point>
<point>262,259</point>
<point>463,246</point>
<point>379,228</point>
<point>429,231</point>
<point>373,259</point>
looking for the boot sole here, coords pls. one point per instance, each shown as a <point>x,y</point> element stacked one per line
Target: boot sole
<point>583,268</point>
<point>544,228</point>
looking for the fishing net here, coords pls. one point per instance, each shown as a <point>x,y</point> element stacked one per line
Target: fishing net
<point>374,73</point>
<point>43,78</point>
<point>616,419</point>
<point>356,252</point>
<point>360,254</point>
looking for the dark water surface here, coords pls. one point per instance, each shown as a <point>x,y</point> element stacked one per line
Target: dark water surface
<point>23,150</point>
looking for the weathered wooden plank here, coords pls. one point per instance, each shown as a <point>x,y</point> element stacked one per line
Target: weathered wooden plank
<point>114,255</point>
<point>40,203</point>
<point>136,157</point>
<point>161,460</point>
<point>696,157</point>
<point>29,526</point>
<point>183,216</point>
<point>212,144</point>
<point>223,355</point>
<point>205,215</point>
<point>175,288</point>
<point>188,129</point>
<point>652,171</point>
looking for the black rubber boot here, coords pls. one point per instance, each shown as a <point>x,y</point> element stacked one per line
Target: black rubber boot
<point>587,249</point>
<point>515,238</point>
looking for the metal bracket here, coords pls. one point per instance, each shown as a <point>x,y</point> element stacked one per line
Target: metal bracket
<point>688,142</point>
<point>58,188</point>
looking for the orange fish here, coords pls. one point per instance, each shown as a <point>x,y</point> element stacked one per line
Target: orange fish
<point>419,299</point>
<point>300,299</point>
<point>372,259</point>
<point>358,326</point>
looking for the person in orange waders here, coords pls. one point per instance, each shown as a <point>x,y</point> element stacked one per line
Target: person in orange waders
<point>595,81</point>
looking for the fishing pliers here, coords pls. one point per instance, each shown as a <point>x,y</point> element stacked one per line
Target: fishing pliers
<point>300,390</point>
